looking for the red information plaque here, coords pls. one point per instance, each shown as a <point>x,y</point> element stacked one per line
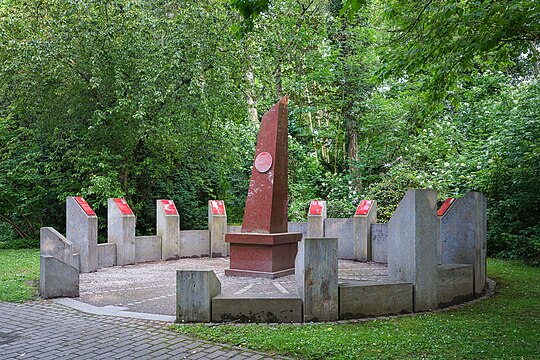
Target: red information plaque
<point>169,207</point>
<point>445,206</point>
<point>84,205</point>
<point>363,207</point>
<point>123,206</point>
<point>218,207</point>
<point>315,207</point>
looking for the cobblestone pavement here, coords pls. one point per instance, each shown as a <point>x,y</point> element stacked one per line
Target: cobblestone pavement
<point>48,330</point>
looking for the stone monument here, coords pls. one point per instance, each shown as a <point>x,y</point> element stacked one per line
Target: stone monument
<point>264,248</point>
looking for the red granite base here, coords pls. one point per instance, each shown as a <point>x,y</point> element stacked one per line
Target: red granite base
<point>262,255</point>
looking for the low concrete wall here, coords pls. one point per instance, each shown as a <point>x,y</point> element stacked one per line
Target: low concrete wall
<point>375,299</point>
<point>455,284</point>
<point>342,229</point>
<point>106,255</point>
<point>300,227</point>
<point>234,229</point>
<point>194,243</point>
<point>147,248</point>
<point>257,308</point>
<point>379,243</point>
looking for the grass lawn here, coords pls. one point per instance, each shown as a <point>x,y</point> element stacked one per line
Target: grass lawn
<point>506,326</point>
<point>19,274</point>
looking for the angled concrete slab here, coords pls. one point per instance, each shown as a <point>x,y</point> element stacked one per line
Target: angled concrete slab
<point>412,246</point>
<point>463,236</point>
<point>121,230</point>
<point>81,231</point>
<point>168,228</point>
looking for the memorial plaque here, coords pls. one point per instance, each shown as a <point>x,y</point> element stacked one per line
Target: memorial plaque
<point>85,206</point>
<point>218,207</point>
<point>315,207</point>
<point>363,207</point>
<point>445,206</point>
<point>169,207</point>
<point>263,162</point>
<point>123,206</point>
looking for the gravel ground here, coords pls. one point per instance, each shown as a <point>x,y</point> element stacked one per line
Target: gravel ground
<point>151,287</point>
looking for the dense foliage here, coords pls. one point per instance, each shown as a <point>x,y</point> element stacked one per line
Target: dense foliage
<point>150,99</point>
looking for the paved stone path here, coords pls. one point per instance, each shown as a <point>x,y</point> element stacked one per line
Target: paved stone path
<point>48,330</point>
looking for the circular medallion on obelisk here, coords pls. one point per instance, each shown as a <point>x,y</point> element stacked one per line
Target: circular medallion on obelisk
<point>263,162</point>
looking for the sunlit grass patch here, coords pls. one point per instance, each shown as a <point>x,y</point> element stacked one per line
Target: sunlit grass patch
<point>19,274</point>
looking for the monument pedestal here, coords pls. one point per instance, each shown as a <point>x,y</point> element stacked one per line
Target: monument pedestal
<point>262,255</point>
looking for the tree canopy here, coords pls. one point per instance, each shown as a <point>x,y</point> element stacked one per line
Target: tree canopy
<point>149,99</point>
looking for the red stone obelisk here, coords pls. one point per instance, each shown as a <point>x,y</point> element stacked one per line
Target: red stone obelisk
<point>264,248</point>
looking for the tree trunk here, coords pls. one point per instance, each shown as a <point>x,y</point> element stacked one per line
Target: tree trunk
<point>352,153</point>
<point>252,109</point>
<point>278,78</point>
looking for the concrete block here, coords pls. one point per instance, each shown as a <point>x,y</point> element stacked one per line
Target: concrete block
<point>316,276</point>
<point>257,308</point>
<point>168,228</point>
<point>121,230</point>
<point>379,243</point>
<point>57,278</point>
<point>316,217</point>
<point>455,284</point>
<point>217,225</point>
<point>52,243</point>
<point>82,231</point>
<point>194,292</point>
<point>106,255</point>
<point>412,246</point>
<point>374,299</point>
<point>194,243</point>
<point>343,230</point>
<point>463,236</point>
<point>362,241</point>
<point>147,248</point>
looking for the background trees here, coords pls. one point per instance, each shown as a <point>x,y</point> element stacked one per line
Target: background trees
<point>148,99</point>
